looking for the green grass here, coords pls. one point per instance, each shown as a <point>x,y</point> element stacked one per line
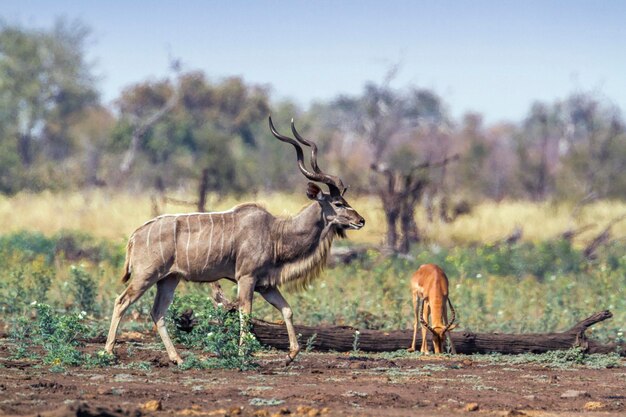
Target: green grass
<point>538,286</point>
<point>216,331</point>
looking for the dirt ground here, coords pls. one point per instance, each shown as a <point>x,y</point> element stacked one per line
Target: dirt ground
<point>317,384</point>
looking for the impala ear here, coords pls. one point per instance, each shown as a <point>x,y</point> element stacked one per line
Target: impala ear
<point>452,326</point>
<point>314,192</point>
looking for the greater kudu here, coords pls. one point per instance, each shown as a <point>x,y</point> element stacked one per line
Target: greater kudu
<point>246,245</point>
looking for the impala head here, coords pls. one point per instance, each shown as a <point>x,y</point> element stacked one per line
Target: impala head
<point>336,210</point>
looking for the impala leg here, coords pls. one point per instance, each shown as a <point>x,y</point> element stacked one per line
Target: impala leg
<point>424,347</point>
<point>275,298</point>
<point>132,293</point>
<point>245,292</point>
<point>415,322</point>
<point>162,301</point>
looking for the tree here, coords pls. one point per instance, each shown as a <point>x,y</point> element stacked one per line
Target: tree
<point>575,146</point>
<point>188,127</point>
<point>405,132</point>
<point>538,142</point>
<point>593,146</point>
<point>45,84</point>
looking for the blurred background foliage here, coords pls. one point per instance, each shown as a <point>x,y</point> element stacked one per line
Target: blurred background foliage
<point>173,134</point>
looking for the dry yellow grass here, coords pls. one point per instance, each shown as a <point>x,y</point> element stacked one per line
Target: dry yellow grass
<point>115,216</point>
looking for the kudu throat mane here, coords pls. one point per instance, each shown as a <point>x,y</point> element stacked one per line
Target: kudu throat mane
<point>297,272</point>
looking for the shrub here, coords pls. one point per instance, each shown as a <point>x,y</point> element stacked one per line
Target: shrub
<point>59,335</point>
<point>24,282</point>
<point>214,330</point>
<point>84,289</point>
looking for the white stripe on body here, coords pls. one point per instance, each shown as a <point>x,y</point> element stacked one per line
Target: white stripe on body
<point>222,242</point>
<point>208,253</point>
<point>161,243</point>
<point>232,234</point>
<point>148,240</point>
<point>175,244</point>
<point>200,228</point>
<point>188,241</point>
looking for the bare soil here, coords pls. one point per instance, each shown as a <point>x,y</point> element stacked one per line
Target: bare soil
<point>316,384</point>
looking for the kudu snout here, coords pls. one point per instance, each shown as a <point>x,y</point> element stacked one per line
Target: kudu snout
<point>359,224</point>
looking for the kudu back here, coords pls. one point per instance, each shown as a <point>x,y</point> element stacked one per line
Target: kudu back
<point>247,245</point>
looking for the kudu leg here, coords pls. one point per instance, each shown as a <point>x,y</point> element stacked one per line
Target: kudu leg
<point>162,301</point>
<point>275,298</point>
<point>245,293</point>
<point>131,294</point>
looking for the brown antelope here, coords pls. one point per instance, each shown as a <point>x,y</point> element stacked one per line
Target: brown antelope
<point>246,245</point>
<point>429,289</point>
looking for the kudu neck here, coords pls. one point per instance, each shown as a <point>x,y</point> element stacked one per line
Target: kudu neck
<point>303,233</point>
<point>308,225</point>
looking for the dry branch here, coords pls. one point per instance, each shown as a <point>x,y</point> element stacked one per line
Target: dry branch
<point>602,238</point>
<point>571,233</point>
<point>342,339</point>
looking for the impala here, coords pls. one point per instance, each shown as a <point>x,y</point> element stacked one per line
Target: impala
<point>429,289</point>
<point>246,245</point>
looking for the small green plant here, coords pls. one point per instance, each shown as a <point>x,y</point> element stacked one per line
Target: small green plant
<point>84,289</point>
<point>194,362</point>
<point>198,324</point>
<point>100,360</point>
<point>58,334</point>
<point>19,333</point>
<point>142,366</point>
<point>310,343</point>
<point>355,342</point>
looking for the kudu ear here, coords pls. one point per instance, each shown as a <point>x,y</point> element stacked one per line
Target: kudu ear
<point>314,192</point>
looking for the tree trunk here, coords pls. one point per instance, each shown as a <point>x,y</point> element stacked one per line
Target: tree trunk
<point>405,236</point>
<point>25,149</point>
<point>408,227</point>
<point>392,234</point>
<point>202,190</point>
<point>342,339</point>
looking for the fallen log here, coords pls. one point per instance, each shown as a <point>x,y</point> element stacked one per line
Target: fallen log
<point>345,338</point>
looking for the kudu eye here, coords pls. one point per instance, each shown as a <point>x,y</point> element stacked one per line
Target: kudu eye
<point>338,204</point>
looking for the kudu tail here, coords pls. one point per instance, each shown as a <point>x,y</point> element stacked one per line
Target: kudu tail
<point>126,275</point>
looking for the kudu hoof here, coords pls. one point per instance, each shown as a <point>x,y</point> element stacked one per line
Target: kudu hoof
<point>410,350</point>
<point>288,360</point>
<point>290,357</point>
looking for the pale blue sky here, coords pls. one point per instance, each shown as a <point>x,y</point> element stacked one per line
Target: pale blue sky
<point>495,57</point>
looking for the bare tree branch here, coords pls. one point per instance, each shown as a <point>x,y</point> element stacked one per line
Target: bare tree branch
<point>143,126</point>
